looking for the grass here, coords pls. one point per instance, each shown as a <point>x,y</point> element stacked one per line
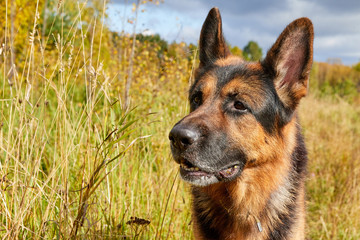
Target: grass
<point>84,168</point>
<point>332,132</point>
<point>74,164</point>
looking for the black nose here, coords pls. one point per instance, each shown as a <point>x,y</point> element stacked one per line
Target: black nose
<point>183,136</point>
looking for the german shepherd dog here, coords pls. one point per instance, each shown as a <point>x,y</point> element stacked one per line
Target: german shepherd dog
<point>241,147</point>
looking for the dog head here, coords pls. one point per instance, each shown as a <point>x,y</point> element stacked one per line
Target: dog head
<point>238,108</point>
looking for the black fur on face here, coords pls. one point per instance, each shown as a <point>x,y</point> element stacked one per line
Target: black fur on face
<point>209,159</point>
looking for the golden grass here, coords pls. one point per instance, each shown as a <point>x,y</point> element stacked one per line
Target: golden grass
<point>332,132</point>
<point>75,164</point>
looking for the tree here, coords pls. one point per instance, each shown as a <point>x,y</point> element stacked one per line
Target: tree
<point>156,40</point>
<point>356,67</point>
<point>252,51</point>
<point>236,51</point>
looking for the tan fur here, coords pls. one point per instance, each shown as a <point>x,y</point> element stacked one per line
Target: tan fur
<point>298,231</point>
<point>209,84</point>
<point>251,94</point>
<point>231,60</point>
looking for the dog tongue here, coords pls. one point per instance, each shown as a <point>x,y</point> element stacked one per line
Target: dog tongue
<point>198,173</point>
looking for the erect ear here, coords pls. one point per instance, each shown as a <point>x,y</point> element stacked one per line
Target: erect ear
<point>212,43</point>
<point>289,61</point>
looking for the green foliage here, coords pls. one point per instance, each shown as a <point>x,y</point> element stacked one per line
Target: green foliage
<point>155,40</point>
<point>335,80</point>
<point>252,51</point>
<point>356,67</point>
<point>236,51</point>
<point>58,26</point>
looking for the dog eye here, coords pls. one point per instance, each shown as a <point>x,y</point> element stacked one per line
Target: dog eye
<point>196,100</point>
<point>240,106</point>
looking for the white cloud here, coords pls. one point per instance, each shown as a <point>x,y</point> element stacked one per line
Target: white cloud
<point>148,32</point>
<point>336,22</point>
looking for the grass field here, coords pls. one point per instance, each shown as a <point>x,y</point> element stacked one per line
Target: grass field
<point>50,153</point>
<point>332,132</point>
<point>74,164</point>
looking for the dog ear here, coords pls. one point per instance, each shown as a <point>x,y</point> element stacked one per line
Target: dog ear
<point>212,43</point>
<point>289,61</point>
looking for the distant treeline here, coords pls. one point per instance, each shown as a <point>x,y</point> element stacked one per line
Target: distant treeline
<point>69,28</point>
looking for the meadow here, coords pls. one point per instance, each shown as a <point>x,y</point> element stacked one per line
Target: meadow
<point>79,161</point>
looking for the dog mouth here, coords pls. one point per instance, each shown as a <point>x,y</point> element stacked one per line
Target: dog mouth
<point>200,177</point>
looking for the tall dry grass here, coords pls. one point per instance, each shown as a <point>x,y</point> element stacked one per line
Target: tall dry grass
<point>74,164</point>
<point>332,131</point>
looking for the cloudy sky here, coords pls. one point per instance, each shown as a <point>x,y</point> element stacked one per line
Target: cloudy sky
<point>336,22</point>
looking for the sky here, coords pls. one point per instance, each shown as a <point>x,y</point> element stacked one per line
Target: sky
<point>336,22</point>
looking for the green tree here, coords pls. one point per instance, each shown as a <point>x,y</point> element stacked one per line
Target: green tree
<point>236,51</point>
<point>252,51</point>
<point>356,67</point>
<point>155,40</point>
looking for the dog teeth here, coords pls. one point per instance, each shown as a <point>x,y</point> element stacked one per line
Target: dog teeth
<point>193,169</point>
<point>204,178</point>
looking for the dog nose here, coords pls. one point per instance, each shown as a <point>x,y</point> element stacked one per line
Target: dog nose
<point>182,136</point>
